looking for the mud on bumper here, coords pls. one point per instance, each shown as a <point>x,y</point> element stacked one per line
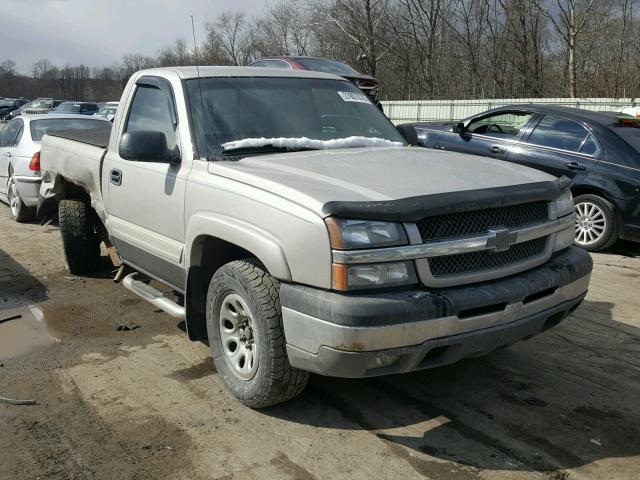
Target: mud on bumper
<point>363,335</point>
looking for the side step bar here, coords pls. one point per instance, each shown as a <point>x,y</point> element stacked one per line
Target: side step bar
<point>153,296</point>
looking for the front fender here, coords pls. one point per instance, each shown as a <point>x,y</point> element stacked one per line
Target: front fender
<point>259,242</point>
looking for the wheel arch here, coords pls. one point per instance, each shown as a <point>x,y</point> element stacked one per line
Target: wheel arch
<point>56,190</point>
<point>213,241</point>
<point>584,189</point>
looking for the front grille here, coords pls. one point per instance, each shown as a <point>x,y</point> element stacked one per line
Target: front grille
<point>472,262</point>
<point>479,221</point>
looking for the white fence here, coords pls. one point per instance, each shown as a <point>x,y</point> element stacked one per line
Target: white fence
<point>404,111</point>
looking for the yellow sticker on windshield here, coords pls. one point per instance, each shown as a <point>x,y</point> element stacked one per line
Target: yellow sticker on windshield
<point>354,97</point>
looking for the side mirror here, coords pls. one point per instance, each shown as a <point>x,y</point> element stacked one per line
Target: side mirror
<point>145,146</point>
<point>409,133</point>
<point>459,127</point>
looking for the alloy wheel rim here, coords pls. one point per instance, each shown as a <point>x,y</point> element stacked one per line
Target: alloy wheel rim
<point>591,223</point>
<point>239,344</point>
<point>13,197</point>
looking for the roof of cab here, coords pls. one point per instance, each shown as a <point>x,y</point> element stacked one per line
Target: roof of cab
<point>227,71</point>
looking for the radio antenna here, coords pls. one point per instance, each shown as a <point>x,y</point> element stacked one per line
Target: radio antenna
<point>195,45</point>
<point>202,114</point>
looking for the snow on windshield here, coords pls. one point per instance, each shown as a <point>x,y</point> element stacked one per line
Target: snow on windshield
<point>304,142</point>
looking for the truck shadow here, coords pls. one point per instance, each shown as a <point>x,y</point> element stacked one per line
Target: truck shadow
<point>625,248</point>
<point>17,286</point>
<point>564,399</point>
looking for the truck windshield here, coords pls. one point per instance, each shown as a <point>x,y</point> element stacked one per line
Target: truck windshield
<point>226,110</point>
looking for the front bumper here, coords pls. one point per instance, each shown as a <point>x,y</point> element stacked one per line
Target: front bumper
<point>28,189</point>
<point>351,335</point>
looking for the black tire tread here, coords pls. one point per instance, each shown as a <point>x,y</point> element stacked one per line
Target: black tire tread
<point>80,243</point>
<point>284,381</point>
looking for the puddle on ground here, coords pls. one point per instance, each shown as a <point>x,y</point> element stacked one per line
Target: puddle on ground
<point>25,333</point>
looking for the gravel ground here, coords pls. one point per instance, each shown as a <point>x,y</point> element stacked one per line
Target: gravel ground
<point>148,404</point>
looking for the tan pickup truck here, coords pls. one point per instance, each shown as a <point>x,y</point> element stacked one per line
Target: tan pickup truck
<point>302,232</point>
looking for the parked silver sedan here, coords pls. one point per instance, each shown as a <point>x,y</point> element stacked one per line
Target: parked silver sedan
<point>20,157</point>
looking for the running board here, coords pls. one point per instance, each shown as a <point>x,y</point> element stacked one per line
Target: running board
<point>153,296</point>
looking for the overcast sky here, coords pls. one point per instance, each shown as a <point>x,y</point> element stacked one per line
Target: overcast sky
<point>99,32</point>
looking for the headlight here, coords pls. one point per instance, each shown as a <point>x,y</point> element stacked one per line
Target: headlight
<point>348,234</point>
<point>372,275</point>
<point>354,234</point>
<point>564,204</point>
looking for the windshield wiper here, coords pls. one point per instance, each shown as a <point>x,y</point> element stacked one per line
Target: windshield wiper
<point>259,149</point>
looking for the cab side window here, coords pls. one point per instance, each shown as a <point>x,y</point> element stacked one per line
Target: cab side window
<point>10,134</point>
<point>500,125</point>
<point>558,132</point>
<point>151,110</point>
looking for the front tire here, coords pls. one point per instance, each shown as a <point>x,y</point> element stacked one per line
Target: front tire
<point>80,242</point>
<point>596,223</point>
<point>246,335</point>
<point>19,211</point>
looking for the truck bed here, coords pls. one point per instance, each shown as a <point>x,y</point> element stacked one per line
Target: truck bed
<point>74,156</point>
<point>98,137</point>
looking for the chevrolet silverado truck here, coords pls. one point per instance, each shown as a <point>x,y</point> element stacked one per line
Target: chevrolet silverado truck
<point>301,232</point>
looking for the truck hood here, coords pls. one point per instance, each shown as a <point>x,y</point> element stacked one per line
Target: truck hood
<point>314,178</point>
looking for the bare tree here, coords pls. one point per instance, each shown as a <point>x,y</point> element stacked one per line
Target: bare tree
<point>231,33</point>
<point>364,23</point>
<point>424,27</point>
<point>569,22</point>
<point>283,30</point>
<point>177,53</point>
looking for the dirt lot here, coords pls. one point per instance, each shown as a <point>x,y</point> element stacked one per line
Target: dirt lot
<point>148,403</point>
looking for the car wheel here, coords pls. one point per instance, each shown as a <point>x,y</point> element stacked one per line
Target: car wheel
<point>596,223</point>
<point>244,324</point>
<point>80,242</point>
<point>19,211</point>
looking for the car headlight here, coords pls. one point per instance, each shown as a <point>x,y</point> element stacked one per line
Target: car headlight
<point>349,234</point>
<point>346,234</point>
<point>564,204</point>
<point>372,275</point>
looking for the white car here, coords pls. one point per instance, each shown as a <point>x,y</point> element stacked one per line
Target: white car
<point>20,157</point>
<point>108,110</point>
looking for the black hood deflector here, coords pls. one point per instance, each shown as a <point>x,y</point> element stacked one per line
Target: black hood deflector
<point>413,209</point>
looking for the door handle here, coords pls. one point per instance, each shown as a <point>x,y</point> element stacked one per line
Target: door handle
<point>496,149</point>
<point>575,166</point>
<point>116,177</point>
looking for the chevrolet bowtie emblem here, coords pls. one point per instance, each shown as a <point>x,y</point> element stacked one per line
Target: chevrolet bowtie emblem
<point>501,239</point>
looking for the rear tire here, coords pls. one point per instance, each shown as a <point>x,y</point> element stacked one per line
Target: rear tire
<point>19,211</point>
<point>244,324</point>
<point>596,222</point>
<point>80,242</point>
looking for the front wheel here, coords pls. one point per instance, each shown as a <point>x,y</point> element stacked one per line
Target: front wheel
<point>19,211</point>
<point>596,223</point>
<point>244,324</point>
